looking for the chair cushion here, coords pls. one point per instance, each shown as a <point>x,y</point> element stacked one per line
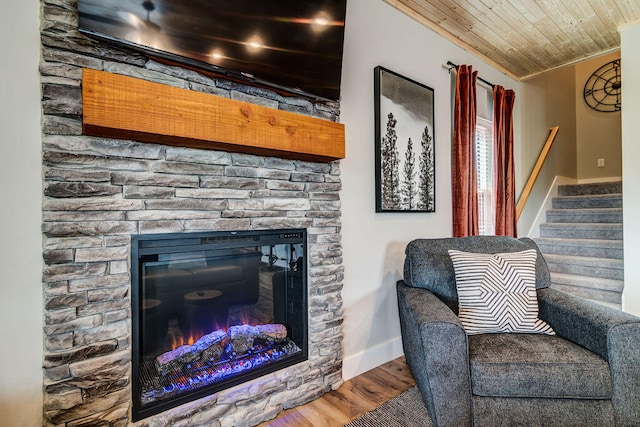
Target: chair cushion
<point>428,265</point>
<point>535,365</point>
<point>497,292</point>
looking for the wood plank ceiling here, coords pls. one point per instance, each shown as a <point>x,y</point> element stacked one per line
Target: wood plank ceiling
<point>524,38</point>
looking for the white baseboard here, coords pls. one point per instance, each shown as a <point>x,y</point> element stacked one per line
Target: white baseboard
<point>596,180</point>
<point>359,363</point>
<point>541,216</point>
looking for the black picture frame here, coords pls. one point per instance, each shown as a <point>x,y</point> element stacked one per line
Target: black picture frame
<point>404,144</point>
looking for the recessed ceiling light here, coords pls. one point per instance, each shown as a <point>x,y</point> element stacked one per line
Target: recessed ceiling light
<point>321,21</point>
<point>255,43</point>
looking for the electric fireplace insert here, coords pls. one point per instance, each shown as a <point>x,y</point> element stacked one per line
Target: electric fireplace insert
<point>213,310</point>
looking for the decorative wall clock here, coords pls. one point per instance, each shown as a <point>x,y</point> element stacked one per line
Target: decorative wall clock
<point>603,89</point>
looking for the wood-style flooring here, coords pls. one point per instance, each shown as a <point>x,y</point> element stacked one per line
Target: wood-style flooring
<point>355,397</point>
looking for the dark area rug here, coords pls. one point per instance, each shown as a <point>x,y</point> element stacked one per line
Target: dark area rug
<point>406,410</point>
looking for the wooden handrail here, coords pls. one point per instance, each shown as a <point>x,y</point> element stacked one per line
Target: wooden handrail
<point>536,171</point>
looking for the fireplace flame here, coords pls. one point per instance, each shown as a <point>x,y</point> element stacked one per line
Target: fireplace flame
<point>176,341</point>
<point>245,319</point>
<point>179,340</point>
<point>189,338</point>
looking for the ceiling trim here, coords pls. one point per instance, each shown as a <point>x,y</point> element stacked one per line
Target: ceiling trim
<point>628,25</point>
<point>574,62</point>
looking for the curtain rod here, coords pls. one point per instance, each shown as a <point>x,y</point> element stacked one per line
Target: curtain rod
<point>452,65</point>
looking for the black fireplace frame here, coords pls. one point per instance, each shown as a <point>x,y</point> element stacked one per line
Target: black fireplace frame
<point>143,244</point>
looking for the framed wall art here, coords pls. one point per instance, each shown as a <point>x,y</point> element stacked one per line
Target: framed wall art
<point>405,148</point>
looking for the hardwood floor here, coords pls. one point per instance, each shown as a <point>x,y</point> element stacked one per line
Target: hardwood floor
<point>355,397</point>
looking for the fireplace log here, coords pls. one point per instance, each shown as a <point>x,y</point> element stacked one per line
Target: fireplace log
<point>212,347</point>
<point>209,347</point>
<point>242,337</point>
<point>173,360</point>
<point>274,332</point>
<point>216,346</point>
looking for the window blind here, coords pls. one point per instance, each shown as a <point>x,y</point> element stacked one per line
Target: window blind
<point>484,163</point>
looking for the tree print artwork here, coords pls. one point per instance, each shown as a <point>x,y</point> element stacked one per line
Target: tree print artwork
<point>390,171</point>
<point>409,190</point>
<point>427,173</point>
<point>405,170</point>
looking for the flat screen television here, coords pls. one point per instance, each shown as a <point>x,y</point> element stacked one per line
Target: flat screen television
<point>290,45</point>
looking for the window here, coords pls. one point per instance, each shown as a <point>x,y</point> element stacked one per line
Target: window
<point>484,162</point>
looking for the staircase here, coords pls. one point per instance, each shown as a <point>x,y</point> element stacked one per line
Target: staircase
<point>582,241</point>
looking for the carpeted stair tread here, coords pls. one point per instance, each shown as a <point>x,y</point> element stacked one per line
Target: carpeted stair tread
<point>596,215</point>
<point>601,290</point>
<point>585,261</point>
<point>581,247</point>
<point>588,201</point>
<point>609,285</point>
<point>579,230</point>
<point>604,268</point>
<point>581,242</point>
<point>589,189</point>
<point>611,299</point>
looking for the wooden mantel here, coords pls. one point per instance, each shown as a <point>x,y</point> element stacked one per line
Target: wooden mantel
<point>122,107</point>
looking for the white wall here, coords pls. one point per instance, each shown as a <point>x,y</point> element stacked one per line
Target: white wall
<point>598,134</point>
<point>377,34</point>
<point>547,100</point>
<point>630,40</point>
<point>20,217</point>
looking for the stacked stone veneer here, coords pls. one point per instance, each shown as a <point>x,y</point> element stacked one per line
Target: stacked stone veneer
<point>98,192</point>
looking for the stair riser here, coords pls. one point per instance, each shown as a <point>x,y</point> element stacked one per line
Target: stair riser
<point>578,250</point>
<point>580,233</point>
<point>581,270</point>
<point>585,217</point>
<point>590,189</point>
<point>590,203</point>
<point>593,294</point>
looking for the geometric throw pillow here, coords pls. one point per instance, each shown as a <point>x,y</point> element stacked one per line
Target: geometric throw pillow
<point>497,292</point>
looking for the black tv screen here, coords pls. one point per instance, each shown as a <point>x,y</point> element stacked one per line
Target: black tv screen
<point>294,45</point>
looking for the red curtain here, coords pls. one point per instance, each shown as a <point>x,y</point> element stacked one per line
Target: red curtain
<point>465,177</point>
<point>504,175</point>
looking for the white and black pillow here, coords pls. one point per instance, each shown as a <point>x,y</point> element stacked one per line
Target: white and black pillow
<point>497,292</point>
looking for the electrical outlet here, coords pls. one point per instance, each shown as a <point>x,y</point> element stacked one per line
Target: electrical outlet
<point>600,163</point>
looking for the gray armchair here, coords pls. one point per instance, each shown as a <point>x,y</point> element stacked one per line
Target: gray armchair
<point>588,374</point>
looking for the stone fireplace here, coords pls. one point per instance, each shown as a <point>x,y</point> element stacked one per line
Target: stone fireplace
<point>214,310</point>
<point>100,193</point>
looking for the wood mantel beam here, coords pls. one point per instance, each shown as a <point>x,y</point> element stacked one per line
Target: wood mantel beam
<point>116,106</point>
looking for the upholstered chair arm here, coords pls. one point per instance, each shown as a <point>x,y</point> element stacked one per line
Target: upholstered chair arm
<point>436,349</point>
<point>612,334</point>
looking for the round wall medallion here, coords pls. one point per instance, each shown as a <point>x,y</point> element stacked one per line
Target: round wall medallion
<point>603,89</point>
